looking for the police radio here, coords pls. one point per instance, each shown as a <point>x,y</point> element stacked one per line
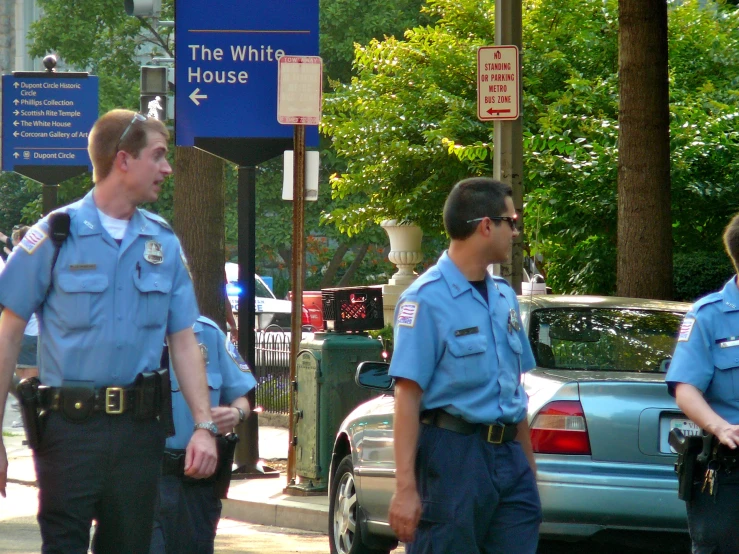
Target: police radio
<point>58,231</point>
<point>59,228</point>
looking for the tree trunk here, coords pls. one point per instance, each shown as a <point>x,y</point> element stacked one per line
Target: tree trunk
<point>328,278</point>
<point>199,197</point>
<point>644,260</point>
<point>352,269</point>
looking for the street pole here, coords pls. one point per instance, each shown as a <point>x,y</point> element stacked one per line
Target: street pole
<point>246,455</point>
<point>297,270</point>
<point>508,137</point>
<point>49,200</point>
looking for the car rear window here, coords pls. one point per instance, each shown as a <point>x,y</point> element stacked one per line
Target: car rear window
<point>604,339</point>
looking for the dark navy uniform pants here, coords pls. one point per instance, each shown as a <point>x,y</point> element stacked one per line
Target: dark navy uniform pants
<point>713,521</point>
<point>187,517</point>
<point>476,497</point>
<point>104,469</point>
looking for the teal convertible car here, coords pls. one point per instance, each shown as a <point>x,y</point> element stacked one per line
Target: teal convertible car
<point>599,414</point>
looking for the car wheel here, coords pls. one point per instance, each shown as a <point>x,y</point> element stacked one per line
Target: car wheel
<point>345,534</point>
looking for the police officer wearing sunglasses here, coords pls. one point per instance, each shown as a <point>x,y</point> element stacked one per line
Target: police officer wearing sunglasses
<point>108,282</point>
<point>465,472</point>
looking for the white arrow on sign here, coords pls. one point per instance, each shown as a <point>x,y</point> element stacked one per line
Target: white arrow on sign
<point>16,101</point>
<point>16,155</point>
<point>16,112</point>
<point>15,123</point>
<point>195,97</point>
<point>16,84</point>
<point>16,134</point>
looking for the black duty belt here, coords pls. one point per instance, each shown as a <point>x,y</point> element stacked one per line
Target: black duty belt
<point>111,400</point>
<point>494,434</point>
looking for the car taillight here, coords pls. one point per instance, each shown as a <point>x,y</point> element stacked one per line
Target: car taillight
<point>560,428</point>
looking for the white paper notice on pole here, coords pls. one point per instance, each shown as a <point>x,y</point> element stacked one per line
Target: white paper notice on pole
<point>498,83</point>
<point>299,90</point>
<point>311,175</point>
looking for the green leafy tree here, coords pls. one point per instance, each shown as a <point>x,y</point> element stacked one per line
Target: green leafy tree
<point>406,128</point>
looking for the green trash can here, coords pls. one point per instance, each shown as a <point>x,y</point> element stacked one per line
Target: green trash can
<point>326,393</point>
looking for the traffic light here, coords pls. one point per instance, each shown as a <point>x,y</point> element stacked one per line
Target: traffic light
<point>144,8</point>
<point>154,89</point>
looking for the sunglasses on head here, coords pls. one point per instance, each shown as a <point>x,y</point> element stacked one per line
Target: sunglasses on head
<point>136,117</point>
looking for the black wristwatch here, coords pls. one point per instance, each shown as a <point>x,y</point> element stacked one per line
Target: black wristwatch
<point>242,415</point>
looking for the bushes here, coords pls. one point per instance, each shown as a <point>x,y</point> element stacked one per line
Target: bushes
<point>698,273</point>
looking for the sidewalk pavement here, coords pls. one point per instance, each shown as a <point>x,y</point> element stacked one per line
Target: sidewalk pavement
<point>260,501</point>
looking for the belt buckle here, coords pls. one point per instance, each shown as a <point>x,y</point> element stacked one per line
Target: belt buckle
<point>111,395</point>
<point>495,434</point>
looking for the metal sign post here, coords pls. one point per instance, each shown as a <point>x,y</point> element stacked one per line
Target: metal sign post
<point>225,104</point>
<point>508,133</point>
<point>300,85</point>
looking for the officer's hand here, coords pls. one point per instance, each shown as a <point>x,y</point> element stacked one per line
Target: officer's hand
<point>3,468</point>
<point>225,417</point>
<point>405,513</point>
<point>728,435</point>
<point>201,456</point>
<point>234,335</point>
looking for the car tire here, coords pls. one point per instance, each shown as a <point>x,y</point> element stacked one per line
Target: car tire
<point>344,531</point>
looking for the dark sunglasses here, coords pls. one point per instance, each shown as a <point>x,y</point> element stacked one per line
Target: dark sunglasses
<point>510,220</point>
<point>136,117</point>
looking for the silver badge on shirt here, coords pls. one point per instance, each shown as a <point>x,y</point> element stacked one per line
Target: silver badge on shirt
<point>204,352</point>
<point>513,324</point>
<point>153,252</point>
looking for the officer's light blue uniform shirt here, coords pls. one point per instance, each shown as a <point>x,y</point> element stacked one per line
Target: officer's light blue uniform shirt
<point>228,378</point>
<point>467,355</point>
<point>108,308</point>
<point>707,351</point>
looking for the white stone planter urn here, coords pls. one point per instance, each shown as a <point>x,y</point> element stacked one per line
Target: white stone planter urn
<point>405,249</point>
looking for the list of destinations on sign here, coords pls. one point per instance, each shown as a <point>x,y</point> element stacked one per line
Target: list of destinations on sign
<point>47,120</point>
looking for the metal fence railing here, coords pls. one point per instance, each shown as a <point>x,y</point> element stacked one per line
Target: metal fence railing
<point>272,370</point>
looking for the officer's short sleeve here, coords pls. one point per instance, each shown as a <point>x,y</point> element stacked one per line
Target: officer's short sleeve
<point>237,377</point>
<point>25,280</point>
<point>183,307</point>
<point>692,362</point>
<point>416,340</point>
<point>527,355</point>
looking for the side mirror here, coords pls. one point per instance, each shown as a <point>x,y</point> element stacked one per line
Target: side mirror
<point>374,375</point>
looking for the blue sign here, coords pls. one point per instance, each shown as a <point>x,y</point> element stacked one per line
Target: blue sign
<point>226,61</point>
<point>47,119</point>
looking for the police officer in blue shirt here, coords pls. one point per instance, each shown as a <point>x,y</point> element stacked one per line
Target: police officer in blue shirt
<point>189,509</point>
<point>704,378</point>
<point>465,471</point>
<point>107,286</point>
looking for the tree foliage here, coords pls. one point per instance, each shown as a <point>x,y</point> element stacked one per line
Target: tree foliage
<point>406,127</point>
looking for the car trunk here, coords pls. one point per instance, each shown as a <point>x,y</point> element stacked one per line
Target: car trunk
<point>628,415</point>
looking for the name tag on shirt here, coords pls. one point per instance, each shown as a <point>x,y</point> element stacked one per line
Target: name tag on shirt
<point>465,332</point>
<point>728,343</point>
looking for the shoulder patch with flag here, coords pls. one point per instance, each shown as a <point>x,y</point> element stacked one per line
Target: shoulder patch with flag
<point>685,329</point>
<point>407,314</point>
<point>34,237</point>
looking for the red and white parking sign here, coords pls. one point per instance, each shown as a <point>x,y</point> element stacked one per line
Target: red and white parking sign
<point>498,83</point>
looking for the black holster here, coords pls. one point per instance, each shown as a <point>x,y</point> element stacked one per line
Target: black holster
<point>174,464</point>
<point>31,414</point>
<point>226,449</point>
<point>687,467</point>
